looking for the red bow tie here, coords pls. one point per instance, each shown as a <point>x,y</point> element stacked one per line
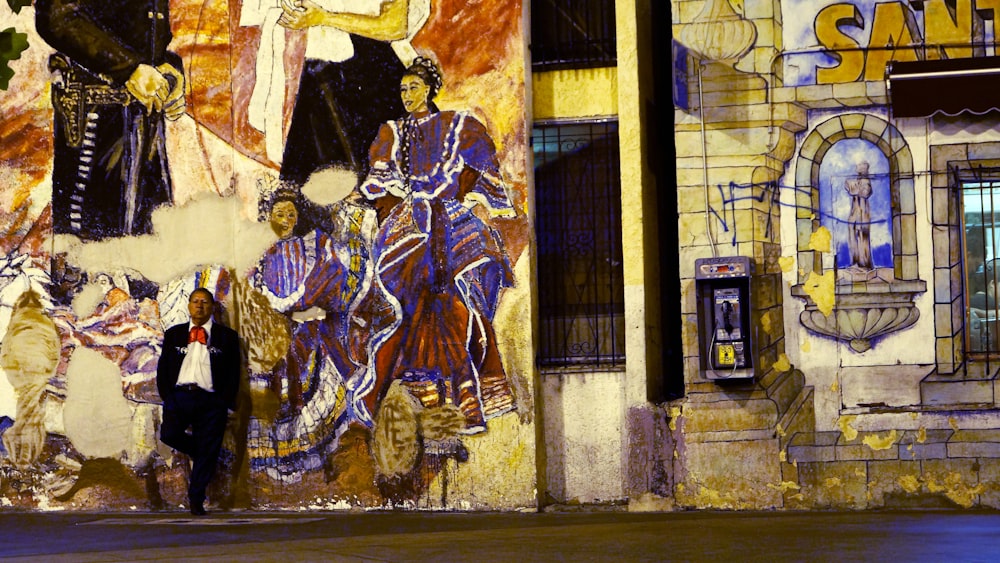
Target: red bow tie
<point>198,334</point>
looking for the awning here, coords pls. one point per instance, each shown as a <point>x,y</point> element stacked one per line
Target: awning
<point>949,86</point>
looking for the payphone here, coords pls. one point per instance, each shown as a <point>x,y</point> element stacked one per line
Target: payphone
<point>722,286</point>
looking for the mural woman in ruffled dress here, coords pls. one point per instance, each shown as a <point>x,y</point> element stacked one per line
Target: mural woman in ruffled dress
<point>437,262</point>
<point>314,279</point>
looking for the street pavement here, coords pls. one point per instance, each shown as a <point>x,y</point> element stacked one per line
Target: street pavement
<point>896,536</point>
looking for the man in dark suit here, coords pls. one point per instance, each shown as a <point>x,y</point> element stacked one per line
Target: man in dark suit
<point>198,376</point>
<point>114,82</point>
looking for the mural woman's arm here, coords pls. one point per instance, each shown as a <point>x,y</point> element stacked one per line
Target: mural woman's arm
<point>391,23</point>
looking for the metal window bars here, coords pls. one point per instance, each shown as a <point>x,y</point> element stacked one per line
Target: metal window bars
<point>579,234</point>
<point>573,34</point>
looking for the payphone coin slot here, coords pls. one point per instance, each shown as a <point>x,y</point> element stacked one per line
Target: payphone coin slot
<point>725,355</point>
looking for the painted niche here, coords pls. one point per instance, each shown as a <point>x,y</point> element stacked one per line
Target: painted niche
<point>856,225</point>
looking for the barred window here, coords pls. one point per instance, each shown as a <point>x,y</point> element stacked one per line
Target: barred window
<point>981,242</point>
<point>579,232</point>
<point>573,34</point>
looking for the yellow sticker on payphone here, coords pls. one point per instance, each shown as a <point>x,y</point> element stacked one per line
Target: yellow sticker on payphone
<point>726,355</point>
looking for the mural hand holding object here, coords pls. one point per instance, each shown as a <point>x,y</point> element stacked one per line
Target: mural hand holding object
<point>149,86</point>
<point>300,14</point>
<point>174,105</point>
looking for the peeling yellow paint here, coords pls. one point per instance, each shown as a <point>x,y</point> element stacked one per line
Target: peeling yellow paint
<point>877,442</point>
<point>966,497</point>
<point>955,489</point>
<point>953,423</point>
<point>933,486</point>
<point>676,455</point>
<point>798,497</point>
<point>859,472</point>
<point>835,386</point>
<point>850,433</point>
<point>675,413</point>
<point>909,483</point>
<point>820,240</point>
<point>832,482</point>
<point>783,456</point>
<point>806,345</point>
<point>913,416</point>
<point>711,497</point>
<point>782,364</point>
<point>960,493</point>
<point>819,288</point>
<point>922,435</point>
<point>780,430</point>
<point>785,486</point>
<point>765,323</point>
<point>786,263</point>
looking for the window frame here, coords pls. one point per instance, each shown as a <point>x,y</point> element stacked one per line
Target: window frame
<point>604,319</point>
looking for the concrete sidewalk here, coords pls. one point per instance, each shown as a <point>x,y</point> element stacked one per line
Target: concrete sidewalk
<point>517,537</point>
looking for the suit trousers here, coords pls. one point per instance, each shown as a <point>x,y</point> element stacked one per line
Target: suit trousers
<point>206,415</point>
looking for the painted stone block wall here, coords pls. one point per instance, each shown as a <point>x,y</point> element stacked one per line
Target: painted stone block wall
<point>874,293</point>
<point>371,252</point>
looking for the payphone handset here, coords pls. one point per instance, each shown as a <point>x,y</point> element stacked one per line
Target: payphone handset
<point>729,346</point>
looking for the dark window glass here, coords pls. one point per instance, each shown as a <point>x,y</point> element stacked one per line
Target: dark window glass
<point>573,34</point>
<point>981,242</point>
<point>579,233</point>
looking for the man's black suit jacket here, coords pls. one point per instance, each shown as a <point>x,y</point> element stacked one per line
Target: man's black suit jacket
<point>223,353</point>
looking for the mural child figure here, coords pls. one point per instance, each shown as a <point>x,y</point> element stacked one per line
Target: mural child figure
<point>315,279</point>
<point>198,376</point>
<point>439,264</point>
<point>352,66</point>
<point>859,220</point>
<point>114,84</point>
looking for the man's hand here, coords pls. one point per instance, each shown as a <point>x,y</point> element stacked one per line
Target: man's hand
<point>149,86</point>
<point>300,14</point>
<point>174,106</point>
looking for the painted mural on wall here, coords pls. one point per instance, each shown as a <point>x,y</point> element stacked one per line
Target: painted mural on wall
<point>855,207</point>
<point>347,178</point>
<point>828,42</point>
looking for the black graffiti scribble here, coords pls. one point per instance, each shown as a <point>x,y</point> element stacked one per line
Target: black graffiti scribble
<point>762,192</point>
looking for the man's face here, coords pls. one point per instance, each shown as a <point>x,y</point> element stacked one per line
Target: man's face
<point>200,307</point>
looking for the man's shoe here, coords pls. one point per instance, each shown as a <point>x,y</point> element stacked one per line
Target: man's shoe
<point>198,510</point>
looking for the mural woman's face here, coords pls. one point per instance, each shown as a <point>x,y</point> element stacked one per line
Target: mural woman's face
<point>414,91</point>
<point>284,216</point>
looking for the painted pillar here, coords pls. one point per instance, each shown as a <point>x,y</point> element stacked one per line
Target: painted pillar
<point>731,149</point>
